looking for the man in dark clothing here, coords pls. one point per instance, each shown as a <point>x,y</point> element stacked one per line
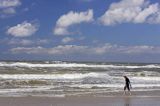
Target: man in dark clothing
<point>127,85</point>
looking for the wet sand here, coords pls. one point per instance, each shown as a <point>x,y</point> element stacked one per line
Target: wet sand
<point>80,101</point>
<point>138,98</point>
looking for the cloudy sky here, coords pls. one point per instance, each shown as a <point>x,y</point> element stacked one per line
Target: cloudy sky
<point>80,30</point>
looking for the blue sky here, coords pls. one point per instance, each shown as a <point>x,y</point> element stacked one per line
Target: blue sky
<point>80,30</point>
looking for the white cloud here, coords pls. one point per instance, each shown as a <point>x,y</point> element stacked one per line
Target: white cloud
<point>58,50</point>
<point>9,3</point>
<point>26,42</point>
<point>29,50</point>
<point>23,30</point>
<point>67,39</point>
<point>9,11</point>
<point>72,18</point>
<point>144,15</point>
<point>42,41</point>
<point>102,49</point>
<point>89,50</point>
<point>134,11</point>
<point>8,7</point>
<point>22,42</point>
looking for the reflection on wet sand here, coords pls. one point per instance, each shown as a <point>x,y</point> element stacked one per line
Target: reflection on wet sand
<point>127,101</point>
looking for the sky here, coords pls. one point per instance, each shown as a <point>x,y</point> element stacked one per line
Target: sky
<point>80,30</point>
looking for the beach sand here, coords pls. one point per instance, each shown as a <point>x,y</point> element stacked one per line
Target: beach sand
<point>80,101</point>
<point>136,99</point>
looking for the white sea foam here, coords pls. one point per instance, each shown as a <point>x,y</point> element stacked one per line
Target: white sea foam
<point>146,78</point>
<point>89,86</point>
<point>68,65</point>
<point>99,78</point>
<point>117,86</point>
<point>62,82</point>
<point>50,76</point>
<point>23,90</point>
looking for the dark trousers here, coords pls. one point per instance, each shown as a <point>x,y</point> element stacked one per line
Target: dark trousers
<point>127,87</point>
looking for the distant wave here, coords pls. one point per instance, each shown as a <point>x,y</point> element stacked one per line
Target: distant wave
<point>50,76</point>
<point>102,77</point>
<point>73,65</point>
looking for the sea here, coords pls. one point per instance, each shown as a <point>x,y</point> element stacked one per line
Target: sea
<point>61,79</point>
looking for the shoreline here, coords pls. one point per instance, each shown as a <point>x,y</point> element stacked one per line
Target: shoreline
<point>152,98</point>
<point>151,93</point>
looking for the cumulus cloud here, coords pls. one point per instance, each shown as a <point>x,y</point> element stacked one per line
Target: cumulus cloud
<point>89,50</point>
<point>58,50</point>
<point>8,7</point>
<point>26,42</point>
<point>72,18</point>
<point>9,3</point>
<point>67,39</point>
<point>134,11</point>
<point>23,30</point>
<point>22,42</point>
<point>9,11</point>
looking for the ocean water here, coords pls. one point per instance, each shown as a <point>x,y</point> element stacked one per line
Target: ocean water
<point>60,79</point>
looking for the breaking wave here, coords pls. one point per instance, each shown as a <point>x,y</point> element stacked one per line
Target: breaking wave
<point>56,78</point>
<point>74,65</point>
<point>49,76</point>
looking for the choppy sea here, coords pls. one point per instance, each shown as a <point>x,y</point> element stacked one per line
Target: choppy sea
<point>60,79</point>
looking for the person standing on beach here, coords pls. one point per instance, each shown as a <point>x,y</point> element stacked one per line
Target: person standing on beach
<point>127,85</point>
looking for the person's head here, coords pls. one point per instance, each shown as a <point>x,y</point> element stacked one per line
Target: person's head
<point>125,76</point>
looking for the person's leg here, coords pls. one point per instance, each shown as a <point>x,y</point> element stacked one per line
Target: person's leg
<point>125,89</point>
<point>129,89</point>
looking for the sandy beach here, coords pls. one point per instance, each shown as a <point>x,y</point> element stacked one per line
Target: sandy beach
<point>136,99</point>
<point>80,101</point>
